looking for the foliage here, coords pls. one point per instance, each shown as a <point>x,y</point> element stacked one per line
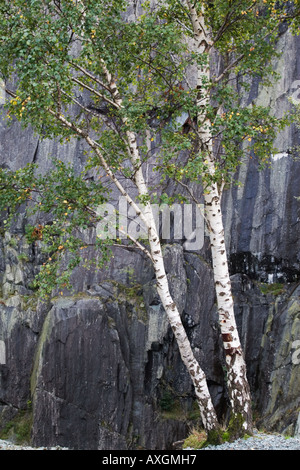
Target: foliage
<point>200,439</point>
<point>68,198</point>
<point>67,55</point>
<point>86,71</point>
<point>58,58</point>
<point>19,428</point>
<point>196,440</point>
<point>275,288</point>
<point>244,36</point>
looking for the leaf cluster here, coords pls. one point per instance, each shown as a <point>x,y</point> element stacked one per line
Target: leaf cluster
<point>71,201</point>
<point>58,51</point>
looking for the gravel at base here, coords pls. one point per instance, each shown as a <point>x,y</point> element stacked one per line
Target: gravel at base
<point>260,441</point>
<point>7,445</point>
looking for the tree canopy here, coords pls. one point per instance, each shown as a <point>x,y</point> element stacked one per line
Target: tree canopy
<point>94,71</point>
<point>91,70</point>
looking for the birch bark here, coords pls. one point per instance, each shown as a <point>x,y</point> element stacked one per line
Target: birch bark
<point>238,387</point>
<point>207,411</point>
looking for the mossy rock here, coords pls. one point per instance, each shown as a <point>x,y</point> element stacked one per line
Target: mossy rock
<point>199,440</point>
<point>19,428</point>
<point>274,289</point>
<point>196,440</point>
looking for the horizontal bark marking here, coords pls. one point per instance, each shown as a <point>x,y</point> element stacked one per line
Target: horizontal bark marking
<point>233,352</point>
<point>230,351</point>
<point>227,337</point>
<point>219,283</point>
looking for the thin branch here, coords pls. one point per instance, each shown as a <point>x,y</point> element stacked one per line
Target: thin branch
<point>193,198</point>
<point>228,68</point>
<point>227,24</point>
<point>104,164</point>
<point>75,101</point>
<point>11,93</point>
<point>92,90</point>
<point>185,186</point>
<point>137,243</point>
<point>184,26</point>
<point>91,76</point>
<point>59,107</point>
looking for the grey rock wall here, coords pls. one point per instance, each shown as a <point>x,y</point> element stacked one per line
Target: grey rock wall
<point>262,215</point>
<point>262,219</point>
<point>100,366</point>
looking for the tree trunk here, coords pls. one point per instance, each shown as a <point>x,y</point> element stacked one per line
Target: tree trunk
<point>207,411</point>
<point>238,387</point>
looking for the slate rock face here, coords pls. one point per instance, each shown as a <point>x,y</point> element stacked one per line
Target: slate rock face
<point>279,364</point>
<point>80,375</point>
<point>100,365</point>
<point>262,215</point>
<point>94,364</point>
<point>92,376</point>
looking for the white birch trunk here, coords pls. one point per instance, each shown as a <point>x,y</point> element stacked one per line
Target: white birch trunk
<point>238,387</point>
<point>207,411</point>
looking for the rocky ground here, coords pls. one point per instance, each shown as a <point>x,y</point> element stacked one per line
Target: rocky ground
<point>7,445</point>
<point>259,441</point>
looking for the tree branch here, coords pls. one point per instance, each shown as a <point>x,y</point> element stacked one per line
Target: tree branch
<point>95,92</point>
<point>228,68</point>
<point>138,244</point>
<point>104,164</point>
<point>89,75</point>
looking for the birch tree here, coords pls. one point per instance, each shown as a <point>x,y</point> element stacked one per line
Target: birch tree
<point>59,51</point>
<point>84,71</point>
<point>242,35</point>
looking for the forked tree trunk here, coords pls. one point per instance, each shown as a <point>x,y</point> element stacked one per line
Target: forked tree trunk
<point>207,411</point>
<point>238,387</point>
